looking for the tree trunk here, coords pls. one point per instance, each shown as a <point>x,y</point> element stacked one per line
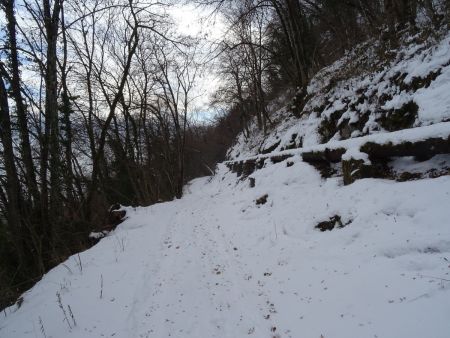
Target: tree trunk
<point>20,106</point>
<point>51,22</point>
<point>12,181</point>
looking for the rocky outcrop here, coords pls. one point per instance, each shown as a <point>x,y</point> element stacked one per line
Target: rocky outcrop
<point>373,164</point>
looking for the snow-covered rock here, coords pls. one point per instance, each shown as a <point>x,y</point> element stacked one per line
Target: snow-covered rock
<point>365,93</point>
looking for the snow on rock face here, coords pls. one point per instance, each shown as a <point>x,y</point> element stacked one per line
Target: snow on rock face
<point>355,154</point>
<point>216,264</point>
<point>347,100</point>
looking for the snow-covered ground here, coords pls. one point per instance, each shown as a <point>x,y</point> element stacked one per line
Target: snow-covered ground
<point>218,264</point>
<point>215,264</point>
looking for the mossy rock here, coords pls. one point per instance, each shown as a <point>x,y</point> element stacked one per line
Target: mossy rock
<point>327,155</point>
<point>346,129</point>
<point>270,148</point>
<point>325,169</point>
<point>238,167</point>
<point>421,150</point>
<point>328,127</point>
<point>244,169</point>
<point>424,82</point>
<point>280,158</point>
<point>435,173</point>
<point>402,118</point>
<point>248,167</point>
<point>293,143</point>
<point>322,160</point>
<point>417,82</point>
<point>353,170</point>
<point>260,163</point>
<point>407,176</point>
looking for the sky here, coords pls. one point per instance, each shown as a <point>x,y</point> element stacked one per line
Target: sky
<point>198,22</point>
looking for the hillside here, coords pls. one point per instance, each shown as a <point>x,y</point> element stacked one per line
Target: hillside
<point>242,253</point>
<point>369,91</point>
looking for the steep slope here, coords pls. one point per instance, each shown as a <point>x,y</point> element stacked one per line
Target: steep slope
<point>372,90</point>
<point>246,253</point>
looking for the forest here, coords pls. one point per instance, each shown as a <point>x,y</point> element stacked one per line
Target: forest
<point>96,102</point>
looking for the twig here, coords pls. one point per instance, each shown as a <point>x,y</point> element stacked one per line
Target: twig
<point>80,265</point>
<point>41,324</point>
<point>71,315</point>
<point>101,286</point>
<point>443,279</point>
<point>68,269</point>
<point>58,295</point>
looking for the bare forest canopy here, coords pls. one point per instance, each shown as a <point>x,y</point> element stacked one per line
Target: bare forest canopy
<point>96,102</point>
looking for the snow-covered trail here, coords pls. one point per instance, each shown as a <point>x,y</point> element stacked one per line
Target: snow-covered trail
<point>215,264</point>
<point>196,289</point>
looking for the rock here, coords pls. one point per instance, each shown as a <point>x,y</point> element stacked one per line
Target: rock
<point>421,150</point>
<point>248,167</point>
<point>270,148</point>
<point>262,200</point>
<point>346,129</point>
<point>245,168</point>
<point>353,170</point>
<point>322,160</point>
<point>402,118</point>
<point>114,218</point>
<point>280,158</point>
<point>328,127</point>
<point>327,155</point>
<point>407,176</point>
<point>293,143</point>
<point>332,223</point>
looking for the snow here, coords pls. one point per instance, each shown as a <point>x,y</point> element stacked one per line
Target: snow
<point>437,130</point>
<point>214,264</point>
<point>434,101</point>
<point>364,84</point>
<point>355,154</point>
<point>408,164</point>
